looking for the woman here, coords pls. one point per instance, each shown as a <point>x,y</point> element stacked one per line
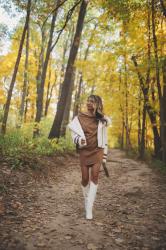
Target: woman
<point>88,131</point>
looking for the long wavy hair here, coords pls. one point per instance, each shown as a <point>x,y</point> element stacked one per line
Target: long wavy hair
<point>99,110</point>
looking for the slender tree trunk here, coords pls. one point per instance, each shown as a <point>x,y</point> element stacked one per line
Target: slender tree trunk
<point>48,89</point>
<point>127,129</point>
<point>163,113</point>
<point>40,92</point>
<point>156,50</point>
<point>78,92</point>
<point>156,57</point>
<point>65,48</point>
<point>92,89</point>
<point>142,142</point>
<point>139,120</point>
<point>62,72</point>
<point>151,113</point>
<point>77,98</point>
<point>49,98</point>
<point>41,62</point>
<point>25,85</point>
<point>68,107</point>
<point>126,107</point>
<point>123,131</point>
<point>8,101</point>
<point>143,130</point>
<point>163,7</point>
<point>127,132</point>
<point>122,111</point>
<point>26,105</point>
<point>67,84</point>
<point>32,111</point>
<point>66,114</point>
<point>156,61</point>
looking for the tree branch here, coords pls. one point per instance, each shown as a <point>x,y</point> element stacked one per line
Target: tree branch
<point>69,14</point>
<point>55,9</point>
<point>163,8</point>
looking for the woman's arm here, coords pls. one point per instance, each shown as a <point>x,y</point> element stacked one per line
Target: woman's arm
<point>77,139</point>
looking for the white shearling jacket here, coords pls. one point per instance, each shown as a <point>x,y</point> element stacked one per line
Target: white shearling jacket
<point>77,134</point>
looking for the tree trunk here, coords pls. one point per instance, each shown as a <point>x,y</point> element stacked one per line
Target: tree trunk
<point>26,106</point>
<point>163,8</point>
<point>127,132</point>
<point>40,93</point>
<point>143,129</point>
<point>156,58</point>
<point>41,62</point>
<point>123,132</point>
<point>25,85</point>
<point>151,113</point>
<point>92,89</point>
<point>49,98</point>
<point>8,101</point>
<point>139,120</point>
<point>122,111</point>
<point>156,51</point>
<point>67,84</point>
<point>163,113</point>
<point>67,46</point>
<point>142,142</point>
<point>126,107</point>
<point>66,114</point>
<point>77,98</point>
<point>48,90</point>
<point>78,92</point>
<point>69,101</point>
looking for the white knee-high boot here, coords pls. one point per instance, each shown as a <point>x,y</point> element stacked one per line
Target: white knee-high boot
<point>85,191</point>
<point>90,200</point>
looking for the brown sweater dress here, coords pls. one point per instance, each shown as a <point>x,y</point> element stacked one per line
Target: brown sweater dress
<point>90,154</point>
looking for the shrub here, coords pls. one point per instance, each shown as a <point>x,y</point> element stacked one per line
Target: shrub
<point>19,148</point>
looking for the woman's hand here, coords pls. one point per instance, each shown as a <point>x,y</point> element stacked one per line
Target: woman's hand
<point>82,141</point>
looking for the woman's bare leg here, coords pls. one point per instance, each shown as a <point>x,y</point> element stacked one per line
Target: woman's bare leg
<point>85,175</point>
<point>95,172</point>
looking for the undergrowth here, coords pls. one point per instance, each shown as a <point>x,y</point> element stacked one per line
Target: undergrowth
<point>19,149</point>
<point>148,158</point>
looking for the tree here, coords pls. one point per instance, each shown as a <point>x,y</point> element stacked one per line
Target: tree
<point>67,84</point>
<point>151,112</point>
<point>41,81</point>
<point>163,113</point>
<point>8,101</point>
<point>25,84</point>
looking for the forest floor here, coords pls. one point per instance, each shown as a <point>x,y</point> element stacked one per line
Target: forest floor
<point>43,209</point>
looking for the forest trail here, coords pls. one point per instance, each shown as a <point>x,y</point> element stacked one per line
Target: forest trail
<point>129,212</point>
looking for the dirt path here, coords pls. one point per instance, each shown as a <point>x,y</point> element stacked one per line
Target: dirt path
<point>130,210</point>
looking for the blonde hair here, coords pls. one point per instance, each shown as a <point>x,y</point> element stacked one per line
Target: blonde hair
<point>99,111</point>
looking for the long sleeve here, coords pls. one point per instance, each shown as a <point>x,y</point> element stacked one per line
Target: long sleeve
<point>77,139</point>
<point>108,121</point>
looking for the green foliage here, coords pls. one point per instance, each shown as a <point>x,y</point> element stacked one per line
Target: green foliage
<point>159,165</point>
<point>20,149</point>
<point>44,146</point>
